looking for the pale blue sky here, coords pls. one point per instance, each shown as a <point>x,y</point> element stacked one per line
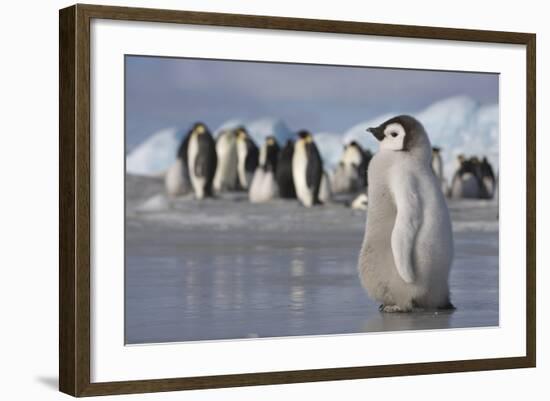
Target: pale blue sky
<point>166,92</point>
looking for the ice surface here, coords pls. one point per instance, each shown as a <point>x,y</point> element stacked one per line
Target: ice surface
<point>226,269</point>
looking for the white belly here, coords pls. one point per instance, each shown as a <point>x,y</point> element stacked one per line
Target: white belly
<point>198,183</point>
<point>241,157</point>
<point>470,186</point>
<point>325,193</point>
<point>437,166</point>
<point>226,171</point>
<point>263,186</point>
<point>174,181</point>
<point>299,166</point>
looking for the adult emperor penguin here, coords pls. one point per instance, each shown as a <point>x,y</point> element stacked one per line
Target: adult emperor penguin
<point>354,163</point>
<point>176,180</point>
<point>307,169</point>
<point>407,250</point>
<point>467,182</point>
<point>201,160</point>
<point>247,157</point>
<point>226,171</point>
<point>283,175</point>
<point>263,186</point>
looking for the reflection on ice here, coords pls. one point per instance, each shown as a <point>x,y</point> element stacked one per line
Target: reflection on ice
<point>279,270</point>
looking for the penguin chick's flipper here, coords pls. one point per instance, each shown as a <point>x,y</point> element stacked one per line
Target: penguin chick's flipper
<point>407,222</point>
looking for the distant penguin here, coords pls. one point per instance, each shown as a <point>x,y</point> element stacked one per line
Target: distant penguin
<point>467,182</point>
<point>283,175</point>
<point>176,180</point>
<point>350,174</point>
<point>226,171</point>
<point>263,186</point>
<point>201,160</point>
<point>437,164</point>
<point>488,178</point>
<point>339,179</point>
<point>355,158</point>
<point>407,250</point>
<point>307,169</point>
<point>247,157</point>
<point>360,202</point>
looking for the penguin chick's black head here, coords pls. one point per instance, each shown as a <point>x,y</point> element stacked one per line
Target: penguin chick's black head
<point>398,133</point>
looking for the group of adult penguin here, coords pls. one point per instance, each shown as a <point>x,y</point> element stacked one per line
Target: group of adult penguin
<point>473,179</point>
<point>234,162</point>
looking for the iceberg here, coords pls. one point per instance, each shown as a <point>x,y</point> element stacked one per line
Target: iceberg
<point>157,153</point>
<point>458,125</point>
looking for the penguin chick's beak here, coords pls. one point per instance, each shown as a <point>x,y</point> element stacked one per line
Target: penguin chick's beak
<point>377,132</point>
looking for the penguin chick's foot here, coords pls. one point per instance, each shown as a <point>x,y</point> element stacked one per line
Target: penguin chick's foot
<point>393,309</point>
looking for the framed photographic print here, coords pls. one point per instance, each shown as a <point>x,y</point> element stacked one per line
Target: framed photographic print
<point>250,200</point>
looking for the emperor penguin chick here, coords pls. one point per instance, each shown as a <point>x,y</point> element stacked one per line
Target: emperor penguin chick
<point>407,250</point>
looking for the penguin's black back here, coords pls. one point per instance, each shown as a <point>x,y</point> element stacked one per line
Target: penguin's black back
<point>182,155</point>
<point>206,160</point>
<point>272,154</point>
<point>283,174</point>
<point>182,149</point>
<point>362,167</point>
<point>314,170</point>
<point>486,169</point>
<point>252,154</point>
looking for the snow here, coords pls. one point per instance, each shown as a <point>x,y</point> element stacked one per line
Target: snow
<point>154,155</point>
<point>330,146</point>
<point>457,125</point>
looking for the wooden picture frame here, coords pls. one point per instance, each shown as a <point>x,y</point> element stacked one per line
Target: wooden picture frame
<point>74,199</point>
